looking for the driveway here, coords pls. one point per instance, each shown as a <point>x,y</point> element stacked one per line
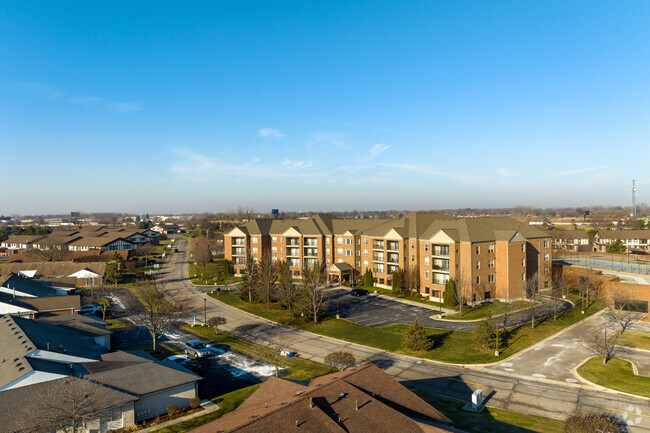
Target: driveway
<point>374,311</point>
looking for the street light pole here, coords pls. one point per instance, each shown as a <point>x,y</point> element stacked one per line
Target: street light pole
<point>205,310</point>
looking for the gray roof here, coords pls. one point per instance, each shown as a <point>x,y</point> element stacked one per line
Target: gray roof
<point>26,285</point>
<point>15,345</point>
<point>86,324</point>
<point>16,404</point>
<point>54,269</point>
<point>137,379</point>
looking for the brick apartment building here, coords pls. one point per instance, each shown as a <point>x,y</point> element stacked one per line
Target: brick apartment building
<point>497,255</point>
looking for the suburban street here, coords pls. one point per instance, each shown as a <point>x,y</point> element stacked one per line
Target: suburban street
<point>531,382</point>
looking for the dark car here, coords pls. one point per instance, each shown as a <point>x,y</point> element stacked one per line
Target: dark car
<point>358,292</point>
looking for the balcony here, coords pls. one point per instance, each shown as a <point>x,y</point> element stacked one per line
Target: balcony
<point>238,241</point>
<point>293,252</point>
<point>392,269</point>
<point>293,242</point>
<point>377,245</point>
<point>378,269</point>
<point>238,251</point>
<point>311,242</point>
<point>239,261</point>
<point>393,258</point>
<point>441,265</point>
<point>440,250</point>
<point>378,257</point>
<point>392,246</point>
<point>311,252</point>
<point>310,262</point>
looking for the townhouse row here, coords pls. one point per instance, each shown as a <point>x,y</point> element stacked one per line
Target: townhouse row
<point>495,256</point>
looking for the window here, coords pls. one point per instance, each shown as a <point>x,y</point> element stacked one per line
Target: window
<point>426,275</point>
<point>339,261</point>
<point>523,262</point>
<point>426,261</point>
<point>328,261</point>
<point>523,247</point>
<point>491,248</point>
<point>478,280</point>
<point>365,241</point>
<point>327,241</point>
<point>486,295</point>
<point>339,251</point>
<point>491,278</point>
<point>348,242</point>
<point>546,257</point>
<point>339,241</point>
<point>478,249</point>
<point>348,252</point>
<point>358,242</point>
<point>523,276</point>
<point>435,293</point>
<point>546,269</point>
<point>254,250</point>
<point>274,250</point>
<point>412,257</point>
<point>327,250</point>
<point>545,243</point>
<point>426,247</point>
<point>478,264</point>
<point>412,244</point>
<point>365,263</point>
<point>491,263</point>
<point>358,264</point>
<point>358,253</point>
<point>546,284</point>
<point>365,253</point>
<point>274,239</point>
<point>426,290</point>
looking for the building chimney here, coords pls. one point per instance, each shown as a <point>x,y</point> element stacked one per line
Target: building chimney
<point>311,402</point>
<point>356,404</point>
<point>297,425</point>
<point>48,346</point>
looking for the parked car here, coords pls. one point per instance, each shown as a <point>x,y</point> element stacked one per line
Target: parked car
<point>358,292</point>
<point>90,309</point>
<point>197,349</point>
<point>184,361</point>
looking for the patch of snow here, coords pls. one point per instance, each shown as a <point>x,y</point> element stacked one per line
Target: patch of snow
<point>509,369</point>
<point>242,365</point>
<point>570,380</point>
<point>538,375</point>
<point>116,301</point>
<point>506,364</point>
<point>557,345</point>
<point>551,360</point>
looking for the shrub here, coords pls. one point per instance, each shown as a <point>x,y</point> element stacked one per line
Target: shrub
<point>485,333</point>
<point>171,409</point>
<point>195,402</point>
<point>449,299</point>
<point>415,338</point>
<point>590,422</point>
<point>340,359</point>
<point>367,279</point>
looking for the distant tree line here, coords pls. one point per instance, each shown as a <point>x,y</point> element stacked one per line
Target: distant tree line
<point>7,231</point>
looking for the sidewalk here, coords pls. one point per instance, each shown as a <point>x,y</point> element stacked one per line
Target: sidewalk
<point>208,406</point>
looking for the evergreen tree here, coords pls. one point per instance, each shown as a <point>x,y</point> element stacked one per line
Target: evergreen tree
<point>449,300</point>
<point>115,268</point>
<point>415,338</point>
<point>617,247</point>
<point>367,279</point>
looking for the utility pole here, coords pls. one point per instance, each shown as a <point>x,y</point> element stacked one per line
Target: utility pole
<point>634,198</point>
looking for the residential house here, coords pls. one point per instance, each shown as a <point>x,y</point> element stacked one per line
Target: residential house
<point>85,274</point>
<point>362,399</point>
<point>31,307</point>
<point>103,243</point>
<point>167,228</point>
<point>635,241</point>
<point>22,242</point>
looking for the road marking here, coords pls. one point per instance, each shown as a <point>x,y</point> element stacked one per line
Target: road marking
<point>624,411</point>
<point>358,357</point>
<point>465,381</point>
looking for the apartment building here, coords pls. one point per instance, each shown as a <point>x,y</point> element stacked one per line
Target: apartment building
<point>494,256</point>
<point>570,240</point>
<point>634,240</point>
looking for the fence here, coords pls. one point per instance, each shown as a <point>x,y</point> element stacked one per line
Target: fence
<point>625,263</point>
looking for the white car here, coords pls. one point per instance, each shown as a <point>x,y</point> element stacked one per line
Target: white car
<point>197,349</point>
<point>90,309</point>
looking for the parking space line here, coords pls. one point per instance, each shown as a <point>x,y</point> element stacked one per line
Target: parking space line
<point>624,411</point>
<point>358,357</point>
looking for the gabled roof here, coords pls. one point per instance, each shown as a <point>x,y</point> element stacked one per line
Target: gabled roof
<point>361,399</point>
<point>568,234</point>
<point>26,285</point>
<point>53,269</point>
<point>88,325</point>
<point>624,234</point>
<point>137,378</point>
<point>54,302</point>
<point>22,239</point>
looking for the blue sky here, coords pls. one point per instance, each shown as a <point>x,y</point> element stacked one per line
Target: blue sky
<point>333,105</point>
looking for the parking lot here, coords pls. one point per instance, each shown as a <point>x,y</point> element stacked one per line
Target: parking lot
<point>374,312</point>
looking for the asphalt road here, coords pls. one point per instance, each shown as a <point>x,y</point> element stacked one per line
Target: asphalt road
<point>508,390</point>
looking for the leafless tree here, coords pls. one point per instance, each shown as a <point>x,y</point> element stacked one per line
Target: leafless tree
<point>288,291</point>
<point>145,251</point>
<point>202,254</point>
<point>340,359</point>
<point>313,290</point>
<point>249,279</point>
<point>69,404</point>
<point>531,289</point>
<point>277,346</point>
<point>601,343</point>
<point>48,251</point>
<point>217,321</point>
<point>587,282</point>
<point>154,312</point>
<point>266,279</point>
<point>463,291</point>
<point>558,285</point>
<point>104,303</point>
<point>617,300</point>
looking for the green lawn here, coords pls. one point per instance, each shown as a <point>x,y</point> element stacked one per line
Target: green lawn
<point>116,325</point>
<point>200,276</point>
<point>635,340</point>
<point>616,374</point>
<point>392,294</point>
<point>482,311</point>
<point>448,346</point>
<point>300,369</point>
<point>166,350</point>
<point>491,419</point>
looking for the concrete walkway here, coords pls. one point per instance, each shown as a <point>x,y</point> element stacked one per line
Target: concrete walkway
<point>509,390</point>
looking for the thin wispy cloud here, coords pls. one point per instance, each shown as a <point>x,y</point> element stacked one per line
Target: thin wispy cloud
<point>194,166</point>
<point>37,89</point>
<point>125,107</point>
<point>569,172</point>
<point>270,132</point>
<point>505,172</point>
<point>329,139</point>
<point>428,170</point>
<point>378,149</point>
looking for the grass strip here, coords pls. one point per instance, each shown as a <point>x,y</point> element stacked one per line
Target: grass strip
<point>617,374</point>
